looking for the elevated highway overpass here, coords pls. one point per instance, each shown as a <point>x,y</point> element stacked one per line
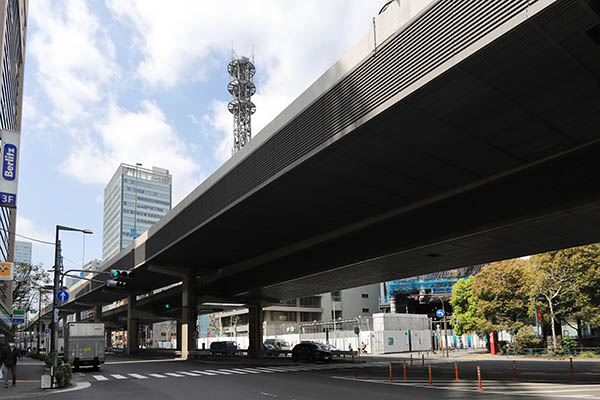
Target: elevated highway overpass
<point>470,133</point>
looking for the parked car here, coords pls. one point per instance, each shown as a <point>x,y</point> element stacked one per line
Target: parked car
<point>279,344</point>
<point>310,351</point>
<point>271,350</point>
<point>223,348</point>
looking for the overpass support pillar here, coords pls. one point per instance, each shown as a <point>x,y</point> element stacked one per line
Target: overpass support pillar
<point>108,343</point>
<point>189,316</point>
<point>98,313</point>
<point>255,334</point>
<point>132,325</point>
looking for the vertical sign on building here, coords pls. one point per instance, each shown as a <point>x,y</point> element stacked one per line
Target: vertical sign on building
<point>6,271</point>
<point>8,168</point>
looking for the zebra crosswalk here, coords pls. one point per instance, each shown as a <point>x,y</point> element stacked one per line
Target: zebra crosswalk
<point>232,371</point>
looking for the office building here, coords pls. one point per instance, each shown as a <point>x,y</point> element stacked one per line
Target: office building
<point>13,20</point>
<point>23,252</point>
<point>134,200</point>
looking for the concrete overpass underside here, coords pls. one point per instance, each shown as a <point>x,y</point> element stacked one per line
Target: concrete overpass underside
<point>470,135</point>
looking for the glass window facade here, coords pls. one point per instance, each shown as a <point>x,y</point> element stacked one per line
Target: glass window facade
<point>10,98</point>
<point>134,200</point>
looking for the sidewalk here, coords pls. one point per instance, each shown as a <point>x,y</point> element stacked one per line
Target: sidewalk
<point>29,373</point>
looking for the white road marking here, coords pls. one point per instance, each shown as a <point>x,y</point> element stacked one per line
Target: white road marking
<point>100,377</point>
<point>216,371</point>
<point>268,369</point>
<point>248,370</point>
<point>187,373</point>
<point>117,376</point>
<point>138,376</point>
<point>157,375</point>
<point>204,372</point>
<point>173,374</point>
<point>234,371</point>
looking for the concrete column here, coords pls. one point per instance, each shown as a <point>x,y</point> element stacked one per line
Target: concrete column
<point>255,324</point>
<point>98,313</point>
<point>178,335</point>
<point>132,326</point>
<point>189,317</point>
<point>78,316</point>
<point>108,339</point>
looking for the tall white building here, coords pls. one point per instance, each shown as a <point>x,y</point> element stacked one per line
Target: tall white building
<point>22,252</point>
<point>134,199</point>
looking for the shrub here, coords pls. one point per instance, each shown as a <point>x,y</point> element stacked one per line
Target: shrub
<point>526,338</point>
<point>63,375</point>
<point>567,344</point>
<point>588,354</point>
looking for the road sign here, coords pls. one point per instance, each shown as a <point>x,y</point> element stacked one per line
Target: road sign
<point>6,271</point>
<point>133,232</point>
<point>62,296</point>
<point>356,330</point>
<point>18,317</point>
<point>47,331</point>
<point>439,313</point>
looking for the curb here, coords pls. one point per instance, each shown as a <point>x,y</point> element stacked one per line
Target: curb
<point>77,386</point>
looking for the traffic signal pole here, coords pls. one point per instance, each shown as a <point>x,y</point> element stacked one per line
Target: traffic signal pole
<point>445,323</point>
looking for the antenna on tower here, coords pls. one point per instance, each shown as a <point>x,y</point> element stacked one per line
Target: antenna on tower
<point>241,88</point>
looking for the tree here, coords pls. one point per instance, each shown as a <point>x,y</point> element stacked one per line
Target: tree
<point>569,280</point>
<point>464,307</point>
<point>501,291</point>
<point>26,280</point>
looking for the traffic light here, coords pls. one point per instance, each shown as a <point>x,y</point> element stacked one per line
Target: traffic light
<point>121,273</point>
<point>167,306</point>
<point>116,284</point>
<point>422,296</point>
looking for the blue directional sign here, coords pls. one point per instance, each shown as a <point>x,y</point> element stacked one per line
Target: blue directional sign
<point>47,331</point>
<point>62,296</point>
<point>133,232</point>
<point>439,313</point>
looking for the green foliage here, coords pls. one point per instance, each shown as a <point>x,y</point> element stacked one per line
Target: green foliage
<point>501,291</point>
<point>568,344</point>
<point>63,375</point>
<point>465,307</point>
<point>588,354</point>
<point>525,339</point>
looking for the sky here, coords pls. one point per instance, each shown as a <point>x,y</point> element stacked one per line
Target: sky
<point>128,81</point>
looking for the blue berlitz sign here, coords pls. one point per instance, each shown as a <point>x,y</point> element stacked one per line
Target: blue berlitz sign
<point>9,162</point>
<point>62,296</point>
<point>439,313</point>
<point>9,171</point>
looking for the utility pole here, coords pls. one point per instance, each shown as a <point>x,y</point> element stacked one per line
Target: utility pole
<point>445,325</point>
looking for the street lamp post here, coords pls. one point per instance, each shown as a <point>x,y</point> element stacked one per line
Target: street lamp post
<point>445,326</point>
<point>57,273</point>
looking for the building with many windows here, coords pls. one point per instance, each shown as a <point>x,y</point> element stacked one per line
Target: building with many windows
<point>134,200</point>
<point>23,252</point>
<point>13,22</point>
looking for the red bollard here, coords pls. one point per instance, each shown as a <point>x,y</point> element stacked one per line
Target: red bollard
<point>571,358</point>
<point>479,378</point>
<point>404,370</point>
<point>514,370</point>
<point>391,379</point>
<point>430,384</point>
<point>411,363</point>
<point>423,360</point>
<point>456,369</point>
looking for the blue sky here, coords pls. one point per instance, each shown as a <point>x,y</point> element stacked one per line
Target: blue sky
<point>145,81</point>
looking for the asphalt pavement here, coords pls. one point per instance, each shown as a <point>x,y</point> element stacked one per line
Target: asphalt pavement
<point>241,378</point>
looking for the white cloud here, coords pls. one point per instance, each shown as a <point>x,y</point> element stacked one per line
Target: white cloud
<point>74,54</point>
<point>295,43</point>
<point>27,227</point>
<point>125,136</point>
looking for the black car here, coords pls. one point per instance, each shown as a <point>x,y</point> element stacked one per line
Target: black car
<point>310,351</point>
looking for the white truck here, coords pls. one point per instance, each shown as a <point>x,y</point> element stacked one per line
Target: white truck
<point>84,344</point>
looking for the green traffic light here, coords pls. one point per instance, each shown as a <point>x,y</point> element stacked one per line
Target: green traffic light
<point>115,273</point>
<point>167,306</point>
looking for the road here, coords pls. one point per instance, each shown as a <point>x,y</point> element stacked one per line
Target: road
<point>240,378</point>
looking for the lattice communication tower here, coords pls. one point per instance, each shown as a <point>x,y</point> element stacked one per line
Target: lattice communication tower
<point>241,88</point>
